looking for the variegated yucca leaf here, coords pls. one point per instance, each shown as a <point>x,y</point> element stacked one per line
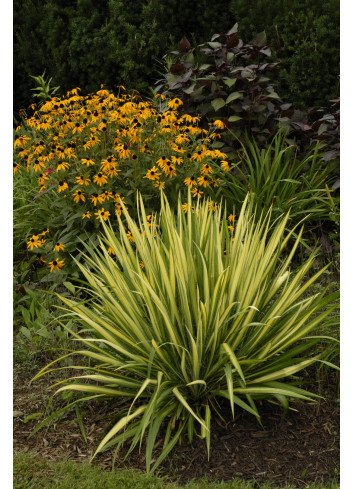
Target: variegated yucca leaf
<point>191,312</point>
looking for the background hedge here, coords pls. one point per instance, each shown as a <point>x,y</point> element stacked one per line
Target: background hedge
<point>85,43</point>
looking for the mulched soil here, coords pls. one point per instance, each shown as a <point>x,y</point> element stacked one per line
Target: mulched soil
<point>299,449</point>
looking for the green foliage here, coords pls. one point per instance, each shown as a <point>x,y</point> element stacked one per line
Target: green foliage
<point>228,80</point>
<point>192,312</point>
<point>305,37</point>
<point>45,91</point>
<point>33,472</point>
<point>277,177</point>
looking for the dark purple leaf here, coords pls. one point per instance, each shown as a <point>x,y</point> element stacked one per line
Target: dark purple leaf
<point>184,45</point>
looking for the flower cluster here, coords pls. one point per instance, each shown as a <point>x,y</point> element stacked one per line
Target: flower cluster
<point>94,152</point>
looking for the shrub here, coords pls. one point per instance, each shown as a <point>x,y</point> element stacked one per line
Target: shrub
<point>304,37</point>
<point>76,156</point>
<point>226,79</point>
<point>190,313</point>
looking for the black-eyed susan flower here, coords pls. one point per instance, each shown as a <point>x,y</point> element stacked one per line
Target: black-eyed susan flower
<point>38,164</point>
<point>86,215</point>
<point>225,165</point>
<point>62,186</point>
<point>34,242</point>
<point>111,251</point>
<point>198,156</point>
<point>152,174</point>
<point>181,139</point>
<point>174,103</point>
<point>169,169</point>
<point>16,167</point>
<point>190,181</point>
<point>62,165</point>
<point>46,231</point>
<point>196,192</point>
<point>56,264</point>
<point>203,181</point>
<point>176,160</point>
<point>219,124</point>
<point>106,195</point>
<point>100,179</point>
<point>162,162</point>
<point>81,180</point>
<point>41,259</point>
<point>206,169</point>
<point>96,198</point>
<point>59,246</point>
<point>102,214</point>
<point>78,196</point>
<point>21,141</point>
<point>159,185</point>
<point>123,150</point>
<point>130,237</point>
<point>42,179</point>
<point>87,161</point>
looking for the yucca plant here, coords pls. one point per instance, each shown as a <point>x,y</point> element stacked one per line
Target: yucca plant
<point>191,312</point>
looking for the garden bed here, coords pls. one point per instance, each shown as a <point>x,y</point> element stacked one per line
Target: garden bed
<point>300,449</point>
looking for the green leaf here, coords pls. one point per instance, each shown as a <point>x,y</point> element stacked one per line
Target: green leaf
<point>218,103</point>
<point>234,118</point>
<point>233,96</point>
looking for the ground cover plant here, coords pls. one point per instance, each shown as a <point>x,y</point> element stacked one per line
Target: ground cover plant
<point>32,471</point>
<point>192,311</point>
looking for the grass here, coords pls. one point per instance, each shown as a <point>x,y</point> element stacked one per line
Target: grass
<point>34,472</point>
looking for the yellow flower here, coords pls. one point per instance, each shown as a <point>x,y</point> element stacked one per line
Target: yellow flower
<point>62,186</point>
<point>34,242</point>
<point>190,181</point>
<point>59,246</point>
<point>44,232</point>
<point>181,139</point>
<point>78,195</point>
<point>196,192</point>
<point>100,179</point>
<point>198,156</point>
<point>130,237</point>
<point>206,169</point>
<point>152,174</point>
<point>56,264</point>
<point>81,180</point>
<point>231,217</point>
<point>169,169</point>
<point>174,104</point>
<point>142,264</point>
<point>219,124</point>
<point>177,160</point>
<point>87,162</point>
<point>225,165</point>
<point>38,165</point>
<point>96,198</point>
<point>111,251</point>
<point>62,165</point>
<point>203,181</point>
<point>102,214</point>
<point>162,162</point>
<point>159,185</point>
<point>16,166</point>
<point>86,215</point>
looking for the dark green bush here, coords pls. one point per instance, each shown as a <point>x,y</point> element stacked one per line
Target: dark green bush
<point>79,42</point>
<point>305,36</point>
